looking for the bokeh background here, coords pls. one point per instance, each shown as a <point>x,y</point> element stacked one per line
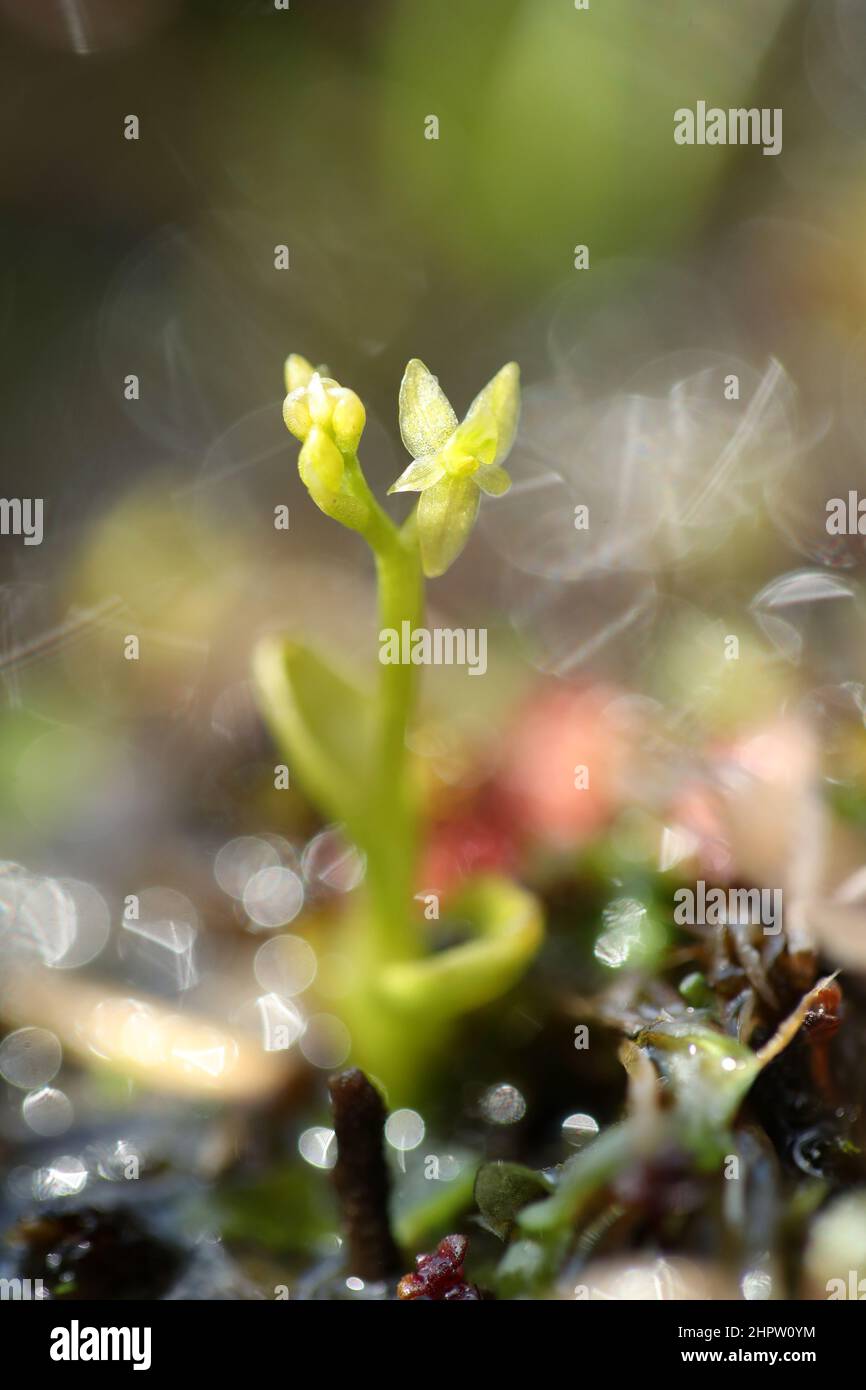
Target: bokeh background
<point>306,128</point>
<point>155,257</point>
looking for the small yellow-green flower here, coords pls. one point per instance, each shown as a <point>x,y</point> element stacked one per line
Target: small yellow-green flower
<point>453,463</point>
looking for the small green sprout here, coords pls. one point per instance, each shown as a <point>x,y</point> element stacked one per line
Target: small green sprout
<point>454,463</point>
<point>349,747</point>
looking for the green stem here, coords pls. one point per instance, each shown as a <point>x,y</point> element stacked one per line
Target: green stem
<point>392,841</point>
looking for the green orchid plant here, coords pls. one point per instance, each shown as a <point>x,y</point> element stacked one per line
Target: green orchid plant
<point>348,745</point>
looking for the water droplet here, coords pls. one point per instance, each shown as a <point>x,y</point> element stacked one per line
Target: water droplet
<point>160,942</point>
<point>47,1111</point>
<point>810,612</point>
<point>404,1129</point>
<point>317,1146</point>
<point>238,860</point>
<point>326,1042</point>
<point>579,1129</point>
<point>30,1058</point>
<point>757,1285</point>
<point>620,939</point>
<point>273,897</point>
<point>92,924</point>
<point>281,1023</point>
<point>64,1177</point>
<point>38,917</point>
<point>503,1105</point>
<point>329,862</point>
<point>285,965</point>
<point>449,1167</point>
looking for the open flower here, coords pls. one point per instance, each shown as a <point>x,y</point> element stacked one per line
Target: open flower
<point>454,463</point>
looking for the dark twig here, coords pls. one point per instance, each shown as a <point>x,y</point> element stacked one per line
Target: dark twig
<point>361,1177</point>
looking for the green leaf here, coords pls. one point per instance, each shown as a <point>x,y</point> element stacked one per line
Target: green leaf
<point>503,1189</point>
<point>709,1072</point>
<point>322,721</point>
<point>289,1208</point>
<point>446,515</point>
<point>522,1269</point>
<point>425,1209</point>
<point>582,1177</point>
<point>507,921</point>
<point>426,416</point>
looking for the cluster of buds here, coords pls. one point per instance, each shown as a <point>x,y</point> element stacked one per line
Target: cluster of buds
<point>328,419</point>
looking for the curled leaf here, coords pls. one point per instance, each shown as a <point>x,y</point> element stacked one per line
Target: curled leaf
<point>508,925</point>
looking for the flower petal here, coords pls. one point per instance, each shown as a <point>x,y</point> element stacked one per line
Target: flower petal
<point>446,515</point>
<point>501,398</point>
<point>478,435</point>
<point>493,480</point>
<point>426,418</point>
<point>421,474</point>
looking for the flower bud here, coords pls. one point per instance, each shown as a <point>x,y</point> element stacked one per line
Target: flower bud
<point>320,461</point>
<point>320,400</point>
<point>298,371</point>
<point>348,419</point>
<point>296,413</point>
